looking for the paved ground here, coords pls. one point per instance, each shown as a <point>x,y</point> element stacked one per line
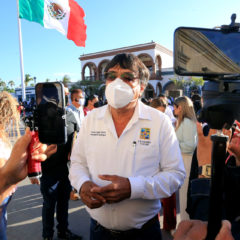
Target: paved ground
<point>24,215</point>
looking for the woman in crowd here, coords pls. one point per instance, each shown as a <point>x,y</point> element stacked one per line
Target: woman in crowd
<point>186,131</point>
<point>89,106</point>
<point>13,162</point>
<point>169,204</point>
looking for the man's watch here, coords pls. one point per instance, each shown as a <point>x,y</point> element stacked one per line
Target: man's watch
<point>205,170</point>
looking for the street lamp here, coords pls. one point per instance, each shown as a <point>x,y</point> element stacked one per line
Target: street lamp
<point>34,79</point>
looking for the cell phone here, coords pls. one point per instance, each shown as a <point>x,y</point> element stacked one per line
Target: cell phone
<point>50,113</point>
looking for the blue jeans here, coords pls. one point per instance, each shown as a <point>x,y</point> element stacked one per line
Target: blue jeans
<point>152,232</point>
<point>56,193</point>
<point>3,218</point>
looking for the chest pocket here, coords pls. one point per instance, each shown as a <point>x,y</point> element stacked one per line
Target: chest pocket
<point>145,156</point>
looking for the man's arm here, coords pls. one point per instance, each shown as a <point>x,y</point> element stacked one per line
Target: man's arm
<point>171,170</point>
<point>197,230</point>
<point>79,173</point>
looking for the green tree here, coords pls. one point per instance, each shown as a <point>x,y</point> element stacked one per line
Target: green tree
<point>47,80</point>
<point>2,84</point>
<point>11,83</point>
<point>28,79</point>
<point>66,79</point>
<point>89,87</point>
<point>181,83</point>
<point>197,81</point>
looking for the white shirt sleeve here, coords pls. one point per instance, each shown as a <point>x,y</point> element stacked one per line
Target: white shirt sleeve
<point>79,173</point>
<point>171,173</point>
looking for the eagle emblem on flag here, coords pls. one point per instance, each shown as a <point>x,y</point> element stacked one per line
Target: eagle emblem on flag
<point>56,11</point>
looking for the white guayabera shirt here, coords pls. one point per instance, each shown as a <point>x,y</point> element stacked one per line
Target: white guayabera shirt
<point>147,153</point>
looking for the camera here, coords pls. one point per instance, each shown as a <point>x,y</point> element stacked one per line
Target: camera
<point>213,54</point>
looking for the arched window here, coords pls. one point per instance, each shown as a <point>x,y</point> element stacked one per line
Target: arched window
<point>148,61</point>
<point>101,69</point>
<point>149,91</point>
<point>89,72</point>
<point>158,67</point>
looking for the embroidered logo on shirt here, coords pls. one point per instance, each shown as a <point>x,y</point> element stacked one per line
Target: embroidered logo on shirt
<point>145,133</point>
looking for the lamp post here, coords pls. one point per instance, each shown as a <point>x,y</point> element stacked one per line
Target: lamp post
<point>34,79</point>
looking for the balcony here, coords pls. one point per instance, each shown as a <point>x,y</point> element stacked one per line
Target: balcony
<point>90,78</point>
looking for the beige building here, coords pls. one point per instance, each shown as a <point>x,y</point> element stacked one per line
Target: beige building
<point>158,59</point>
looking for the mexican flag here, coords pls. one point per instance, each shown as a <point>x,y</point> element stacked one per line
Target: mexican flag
<point>66,16</point>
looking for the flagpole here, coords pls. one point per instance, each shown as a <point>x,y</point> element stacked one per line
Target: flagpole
<point>21,54</point>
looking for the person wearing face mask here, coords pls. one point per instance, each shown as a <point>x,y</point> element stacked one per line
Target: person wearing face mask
<point>77,104</point>
<point>133,160</point>
<point>77,109</point>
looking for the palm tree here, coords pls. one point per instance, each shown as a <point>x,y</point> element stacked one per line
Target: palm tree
<point>28,79</point>
<point>66,79</point>
<point>11,83</point>
<point>2,84</point>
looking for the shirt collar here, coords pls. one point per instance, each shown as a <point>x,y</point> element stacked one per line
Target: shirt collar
<point>74,108</point>
<point>141,111</point>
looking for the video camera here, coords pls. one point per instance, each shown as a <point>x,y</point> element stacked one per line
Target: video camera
<point>213,54</point>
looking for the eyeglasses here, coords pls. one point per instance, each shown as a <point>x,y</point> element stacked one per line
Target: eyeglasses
<point>127,76</point>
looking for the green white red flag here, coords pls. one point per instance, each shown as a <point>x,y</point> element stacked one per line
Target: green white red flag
<point>66,16</point>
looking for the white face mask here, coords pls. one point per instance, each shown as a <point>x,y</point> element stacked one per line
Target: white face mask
<point>81,101</point>
<point>118,93</point>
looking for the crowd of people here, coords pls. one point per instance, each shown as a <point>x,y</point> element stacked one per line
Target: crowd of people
<point>125,159</point>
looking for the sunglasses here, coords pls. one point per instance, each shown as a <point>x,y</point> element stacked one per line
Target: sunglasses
<point>127,77</point>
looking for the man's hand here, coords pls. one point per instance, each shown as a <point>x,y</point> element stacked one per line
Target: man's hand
<point>234,148</point>
<point>225,231</point>
<point>191,230</point>
<point>204,147</point>
<point>91,199</point>
<point>42,151</point>
<point>197,230</point>
<point>116,191</point>
<point>35,181</point>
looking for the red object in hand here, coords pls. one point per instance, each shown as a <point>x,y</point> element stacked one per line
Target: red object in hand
<point>34,167</point>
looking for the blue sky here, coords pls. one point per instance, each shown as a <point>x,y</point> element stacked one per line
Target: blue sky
<point>110,24</point>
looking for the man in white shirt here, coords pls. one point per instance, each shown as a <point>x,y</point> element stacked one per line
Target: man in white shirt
<point>76,107</point>
<point>126,157</point>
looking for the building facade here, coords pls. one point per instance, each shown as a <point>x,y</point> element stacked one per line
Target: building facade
<point>158,60</point>
<point>29,91</point>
